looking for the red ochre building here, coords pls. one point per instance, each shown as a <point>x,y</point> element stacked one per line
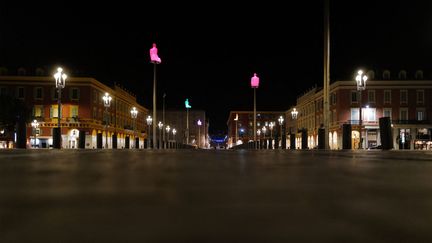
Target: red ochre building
<point>82,110</point>
<point>407,100</point>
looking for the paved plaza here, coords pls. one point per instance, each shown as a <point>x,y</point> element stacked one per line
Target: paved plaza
<point>215,196</point>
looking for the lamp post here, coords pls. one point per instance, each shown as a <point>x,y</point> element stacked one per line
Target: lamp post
<point>259,137</point>
<point>294,114</point>
<point>254,85</point>
<point>199,132</point>
<point>187,119</point>
<point>107,103</point>
<point>35,125</point>
<point>154,58</point>
<point>134,114</point>
<point>281,120</point>
<point>160,125</point>
<point>60,81</point>
<point>163,114</point>
<point>236,133</point>
<point>264,130</point>
<point>174,131</point>
<point>168,128</point>
<point>149,122</point>
<point>361,85</point>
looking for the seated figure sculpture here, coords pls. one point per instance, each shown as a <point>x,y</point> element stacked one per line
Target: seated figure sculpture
<point>154,55</point>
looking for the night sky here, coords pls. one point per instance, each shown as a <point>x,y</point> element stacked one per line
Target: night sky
<point>210,51</point>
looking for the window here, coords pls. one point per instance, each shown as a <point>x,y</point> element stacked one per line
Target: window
<point>333,99</point>
<point>404,96</point>
<point>3,91</point>
<point>420,114</point>
<point>355,115</point>
<point>54,111</point>
<point>94,112</point>
<point>74,111</point>
<point>354,96</point>
<point>74,94</point>
<point>386,74</point>
<point>369,114</point>
<point>419,74</point>
<point>420,96</point>
<point>38,93</point>
<point>402,74</point>
<point>38,111</point>
<point>403,114</point>
<point>20,93</point>
<point>387,112</point>
<point>371,96</point>
<point>387,96</point>
<point>54,93</point>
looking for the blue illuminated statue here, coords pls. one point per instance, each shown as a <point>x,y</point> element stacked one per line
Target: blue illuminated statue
<point>187,104</point>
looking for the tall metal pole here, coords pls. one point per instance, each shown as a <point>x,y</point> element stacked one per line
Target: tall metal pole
<point>326,72</point>
<point>236,135</point>
<point>254,116</point>
<point>148,139</point>
<point>187,125</point>
<point>59,114</point>
<point>199,136</point>
<point>360,122</point>
<point>163,116</point>
<point>106,127</point>
<point>154,107</point>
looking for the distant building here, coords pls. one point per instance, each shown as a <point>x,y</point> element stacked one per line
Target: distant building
<point>408,102</point>
<point>82,110</point>
<point>245,125</point>
<point>177,119</point>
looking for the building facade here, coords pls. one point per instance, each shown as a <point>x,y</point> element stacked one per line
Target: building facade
<point>408,103</point>
<point>82,109</point>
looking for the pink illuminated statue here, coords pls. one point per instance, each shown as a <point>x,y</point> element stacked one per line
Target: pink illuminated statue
<point>154,55</point>
<point>255,81</point>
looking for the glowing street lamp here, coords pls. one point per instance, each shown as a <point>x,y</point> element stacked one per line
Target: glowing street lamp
<point>254,85</point>
<point>271,125</point>
<point>264,130</point>
<point>199,123</point>
<point>361,79</point>
<point>35,125</point>
<point>60,82</point>
<point>236,133</point>
<point>154,58</point>
<point>134,115</point>
<point>187,119</point>
<point>168,128</point>
<point>281,120</point>
<point>107,103</point>
<point>149,123</point>
<point>258,132</point>
<point>160,125</point>
<point>174,131</point>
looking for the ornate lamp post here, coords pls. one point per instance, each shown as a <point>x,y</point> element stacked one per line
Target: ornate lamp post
<point>187,119</point>
<point>107,103</point>
<point>134,114</point>
<point>168,128</point>
<point>236,133</point>
<point>35,125</point>
<point>160,125</point>
<point>60,81</point>
<point>174,131</point>
<point>199,123</point>
<point>254,85</point>
<point>361,85</point>
<point>149,123</point>
<point>281,120</point>
<point>154,58</point>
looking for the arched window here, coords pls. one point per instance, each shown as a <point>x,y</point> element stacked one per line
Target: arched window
<point>370,74</point>
<point>402,74</point>
<point>386,74</point>
<point>21,71</point>
<point>419,74</point>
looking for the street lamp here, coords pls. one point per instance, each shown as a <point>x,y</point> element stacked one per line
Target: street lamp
<point>60,81</point>
<point>174,131</point>
<point>149,122</point>
<point>199,132</point>
<point>168,128</point>
<point>271,125</point>
<point>35,125</point>
<point>107,103</point>
<point>187,119</point>
<point>281,120</point>
<point>160,125</point>
<point>134,114</point>
<point>254,85</point>
<point>258,133</point>
<point>154,58</point>
<point>264,130</point>
<point>361,85</point>
<point>236,133</point>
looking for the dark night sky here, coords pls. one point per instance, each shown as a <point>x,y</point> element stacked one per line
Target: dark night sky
<point>210,51</point>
